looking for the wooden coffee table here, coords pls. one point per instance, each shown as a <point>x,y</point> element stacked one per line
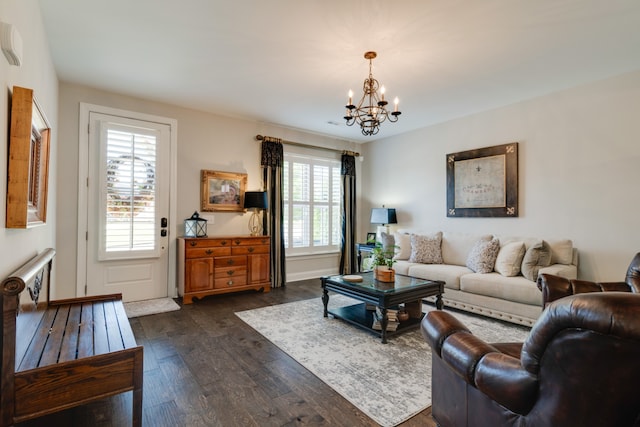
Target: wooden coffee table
<point>405,290</point>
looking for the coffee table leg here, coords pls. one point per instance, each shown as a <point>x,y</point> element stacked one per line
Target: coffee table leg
<point>325,301</point>
<point>383,324</point>
<point>439,303</point>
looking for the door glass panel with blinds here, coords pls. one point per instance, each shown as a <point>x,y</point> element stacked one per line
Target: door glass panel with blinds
<point>128,216</point>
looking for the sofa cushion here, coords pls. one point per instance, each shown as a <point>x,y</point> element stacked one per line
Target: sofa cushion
<point>482,256</point>
<point>403,246</point>
<point>538,255</point>
<point>510,258</point>
<point>426,249</point>
<point>456,246</point>
<point>449,274</point>
<point>402,267</point>
<point>516,289</point>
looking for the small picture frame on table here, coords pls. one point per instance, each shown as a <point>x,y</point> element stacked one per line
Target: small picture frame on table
<point>371,238</point>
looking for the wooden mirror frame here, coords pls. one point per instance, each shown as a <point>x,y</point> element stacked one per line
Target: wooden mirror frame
<point>28,169</point>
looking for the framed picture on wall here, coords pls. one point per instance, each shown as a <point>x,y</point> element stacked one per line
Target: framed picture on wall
<point>483,182</point>
<point>222,191</point>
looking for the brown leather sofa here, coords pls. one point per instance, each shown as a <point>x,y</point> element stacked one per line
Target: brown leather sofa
<point>578,367</point>
<point>556,287</point>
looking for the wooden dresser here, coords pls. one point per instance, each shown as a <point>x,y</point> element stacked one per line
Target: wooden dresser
<point>218,265</point>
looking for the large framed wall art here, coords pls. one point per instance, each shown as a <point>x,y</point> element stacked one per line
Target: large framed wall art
<point>222,191</point>
<point>483,182</point>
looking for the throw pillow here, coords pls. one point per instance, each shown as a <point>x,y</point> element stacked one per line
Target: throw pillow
<point>426,249</point>
<point>388,242</point>
<point>561,251</point>
<point>510,258</point>
<point>482,256</point>
<point>403,246</point>
<point>537,256</point>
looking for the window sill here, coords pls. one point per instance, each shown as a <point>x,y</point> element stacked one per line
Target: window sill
<point>312,255</point>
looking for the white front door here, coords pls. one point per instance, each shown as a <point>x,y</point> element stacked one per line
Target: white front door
<point>129,175</point>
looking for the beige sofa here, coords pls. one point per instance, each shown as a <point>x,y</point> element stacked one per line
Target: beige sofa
<point>504,293</point>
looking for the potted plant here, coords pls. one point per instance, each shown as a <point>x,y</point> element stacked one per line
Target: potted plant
<point>382,262</point>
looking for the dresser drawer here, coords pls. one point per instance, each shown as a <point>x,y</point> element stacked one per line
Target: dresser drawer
<point>250,241</point>
<point>250,250</point>
<point>229,271</point>
<point>201,243</point>
<point>239,278</point>
<point>230,261</point>
<point>204,252</point>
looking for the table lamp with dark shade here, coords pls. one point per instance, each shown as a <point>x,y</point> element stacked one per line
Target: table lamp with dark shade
<point>256,201</point>
<point>383,216</point>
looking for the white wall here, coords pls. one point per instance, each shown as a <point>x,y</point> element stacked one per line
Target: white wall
<point>205,141</point>
<point>37,73</point>
<point>579,164</point>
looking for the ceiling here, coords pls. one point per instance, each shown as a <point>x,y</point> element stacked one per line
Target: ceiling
<point>292,62</point>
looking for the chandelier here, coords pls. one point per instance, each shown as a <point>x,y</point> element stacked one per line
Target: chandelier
<point>371,111</point>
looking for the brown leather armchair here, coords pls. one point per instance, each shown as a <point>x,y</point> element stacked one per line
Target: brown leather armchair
<point>556,287</point>
<point>578,367</point>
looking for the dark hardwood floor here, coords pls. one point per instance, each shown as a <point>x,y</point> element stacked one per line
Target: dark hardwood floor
<point>203,366</point>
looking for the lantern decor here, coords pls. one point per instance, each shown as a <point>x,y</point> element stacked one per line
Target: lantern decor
<point>195,226</point>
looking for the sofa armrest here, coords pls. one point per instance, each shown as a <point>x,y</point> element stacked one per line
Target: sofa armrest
<point>437,326</point>
<point>568,271</point>
<point>462,351</point>
<point>502,378</point>
<point>553,288</point>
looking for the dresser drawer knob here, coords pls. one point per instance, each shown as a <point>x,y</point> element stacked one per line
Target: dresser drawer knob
<point>230,272</point>
<point>230,283</point>
<point>251,249</point>
<point>223,243</point>
<point>192,243</point>
<point>230,262</point>
<point>238,241</point>
<point>209,251</point>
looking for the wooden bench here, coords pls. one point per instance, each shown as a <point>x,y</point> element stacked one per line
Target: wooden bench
<point>65,353</point>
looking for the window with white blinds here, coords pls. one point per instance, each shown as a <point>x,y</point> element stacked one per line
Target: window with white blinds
<point>128,216</point>
<point>311,204</point>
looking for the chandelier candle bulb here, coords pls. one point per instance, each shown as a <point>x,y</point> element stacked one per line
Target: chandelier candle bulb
<point>382,92</point>
<point>395,102</point>
<point>350,99</point>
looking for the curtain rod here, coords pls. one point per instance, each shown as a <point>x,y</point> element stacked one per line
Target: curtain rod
<point>300,144</point>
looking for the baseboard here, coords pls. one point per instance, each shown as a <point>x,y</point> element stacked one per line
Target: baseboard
<point>306,275</point>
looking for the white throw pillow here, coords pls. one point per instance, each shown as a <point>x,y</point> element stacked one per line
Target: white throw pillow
<point>483,255</point>
<point>510,258</point>
<point>403,246</point>
<point>426,249</point>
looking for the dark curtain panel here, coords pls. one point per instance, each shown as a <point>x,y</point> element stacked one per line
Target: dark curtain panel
<point>348,258</point>
<point>272,160</point>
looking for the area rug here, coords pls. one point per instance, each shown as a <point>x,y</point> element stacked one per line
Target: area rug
<point>150,306</point>
<point>388,382</point>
